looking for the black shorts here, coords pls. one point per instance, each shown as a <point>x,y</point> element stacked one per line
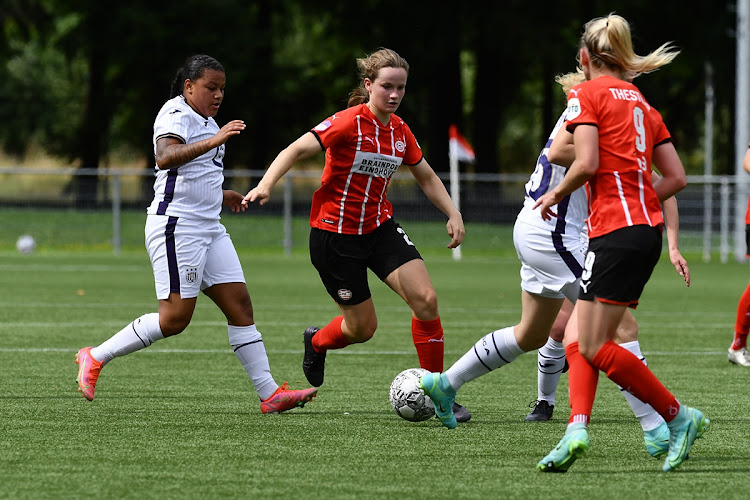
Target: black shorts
<point>342,260</point>
<point>618,265</point>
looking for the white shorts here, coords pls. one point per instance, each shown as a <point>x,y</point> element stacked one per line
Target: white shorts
<point>551,263</point>
<point>190,255</point>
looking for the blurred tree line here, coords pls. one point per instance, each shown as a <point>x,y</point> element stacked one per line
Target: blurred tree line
<point>84,80</point>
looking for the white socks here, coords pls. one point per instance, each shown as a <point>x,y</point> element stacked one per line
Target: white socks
<point>645,414</point>
<point>247,343</point>
<point>140,333</point>
<point>551,361</point>
<point>492,351</point>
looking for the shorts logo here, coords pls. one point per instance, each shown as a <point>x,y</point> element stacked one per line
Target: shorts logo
<point>344,294</point>
<point>191,275</point>
<point>400,146</point>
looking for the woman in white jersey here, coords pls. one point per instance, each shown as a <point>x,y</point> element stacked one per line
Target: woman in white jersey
<point>189,248</point>
<point>551,254</point>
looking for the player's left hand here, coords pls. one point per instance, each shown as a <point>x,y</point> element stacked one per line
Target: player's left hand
<point>233,200</point>
<point>547,201</point>
<point>680,265</point>
<point>456,230</point>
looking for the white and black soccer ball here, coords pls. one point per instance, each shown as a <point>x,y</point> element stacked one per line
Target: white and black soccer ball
<point>25,244</point>
<point>407,398</point>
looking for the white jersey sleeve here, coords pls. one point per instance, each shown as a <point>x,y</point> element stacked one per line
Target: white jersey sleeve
<point>571,211</point>
<point>192,190</point>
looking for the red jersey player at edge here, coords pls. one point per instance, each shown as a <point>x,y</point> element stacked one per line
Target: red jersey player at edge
<point>617,134</point>
<point>738,350</point>
<point>189,248</point>
<point>352,226</point>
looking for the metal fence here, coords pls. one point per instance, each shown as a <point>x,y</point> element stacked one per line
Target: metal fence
<point>708,206</point>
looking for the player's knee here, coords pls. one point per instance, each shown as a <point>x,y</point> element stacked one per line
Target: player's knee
<point>173,325</point>
<point>426,305</point>
<point>588,351</point>
<point>363,332</point>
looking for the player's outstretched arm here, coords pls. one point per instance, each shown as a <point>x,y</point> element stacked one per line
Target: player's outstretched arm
<point>302,148</point>
<point>172,153</point>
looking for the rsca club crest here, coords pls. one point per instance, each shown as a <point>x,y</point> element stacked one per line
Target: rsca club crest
<point>191,275</point>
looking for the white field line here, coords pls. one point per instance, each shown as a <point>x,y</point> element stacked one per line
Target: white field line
<point>353,352</point>
<point>262,325</point>
<point>469,312</point>
<point>74,268</point>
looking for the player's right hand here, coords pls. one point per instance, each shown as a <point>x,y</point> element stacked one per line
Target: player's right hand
<point>258,194</point>
<point>232,128</point>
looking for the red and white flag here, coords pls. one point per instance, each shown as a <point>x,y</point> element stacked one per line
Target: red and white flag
<point>460,148</point>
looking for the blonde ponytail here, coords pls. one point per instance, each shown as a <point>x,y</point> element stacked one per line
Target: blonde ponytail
<point>609,44</point>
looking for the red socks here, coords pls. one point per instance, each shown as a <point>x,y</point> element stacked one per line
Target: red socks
<point>330,336</point>
<point>582,380</point>
<point>428,339</point>
<point>626,370</point>
<point>427,336</point>
<point>742,325</point>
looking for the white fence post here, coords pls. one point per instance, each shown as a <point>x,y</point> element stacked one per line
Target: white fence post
<point>116,209</point>
<point>724,195</point>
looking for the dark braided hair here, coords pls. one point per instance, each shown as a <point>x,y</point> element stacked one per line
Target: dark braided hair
<point>193,69</point>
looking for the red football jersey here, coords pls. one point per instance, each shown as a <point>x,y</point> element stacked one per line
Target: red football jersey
<point>361,156</point>
<point>620,193</point>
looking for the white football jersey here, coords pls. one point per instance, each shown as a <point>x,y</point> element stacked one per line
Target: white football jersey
<point>571,211</point>
<point>192,190</point>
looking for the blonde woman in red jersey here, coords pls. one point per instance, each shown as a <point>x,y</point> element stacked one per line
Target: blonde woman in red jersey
<point>352,226</point>
<point>617,134</point>
<point>738,350</point>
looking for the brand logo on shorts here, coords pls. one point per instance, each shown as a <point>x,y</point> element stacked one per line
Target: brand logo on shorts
<point>191,275</point>
<point>344,294</point>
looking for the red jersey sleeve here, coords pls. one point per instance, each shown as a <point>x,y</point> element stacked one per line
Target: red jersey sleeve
<point>413,152</point>
<point>330,131</point>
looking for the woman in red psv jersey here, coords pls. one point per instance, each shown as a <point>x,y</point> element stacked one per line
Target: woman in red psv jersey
<point>351,219</point>
<point>617,134</point>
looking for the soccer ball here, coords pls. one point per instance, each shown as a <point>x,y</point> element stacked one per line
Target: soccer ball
<point>407,398</point>
<point>25,244</point>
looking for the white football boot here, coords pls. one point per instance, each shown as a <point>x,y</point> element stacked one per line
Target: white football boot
<point>739,357</point>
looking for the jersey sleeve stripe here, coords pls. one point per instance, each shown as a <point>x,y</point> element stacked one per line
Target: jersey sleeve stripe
<point>412,164</point>
<point>172,136</point>
<point>318,138</point>
<point>571,126</point>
